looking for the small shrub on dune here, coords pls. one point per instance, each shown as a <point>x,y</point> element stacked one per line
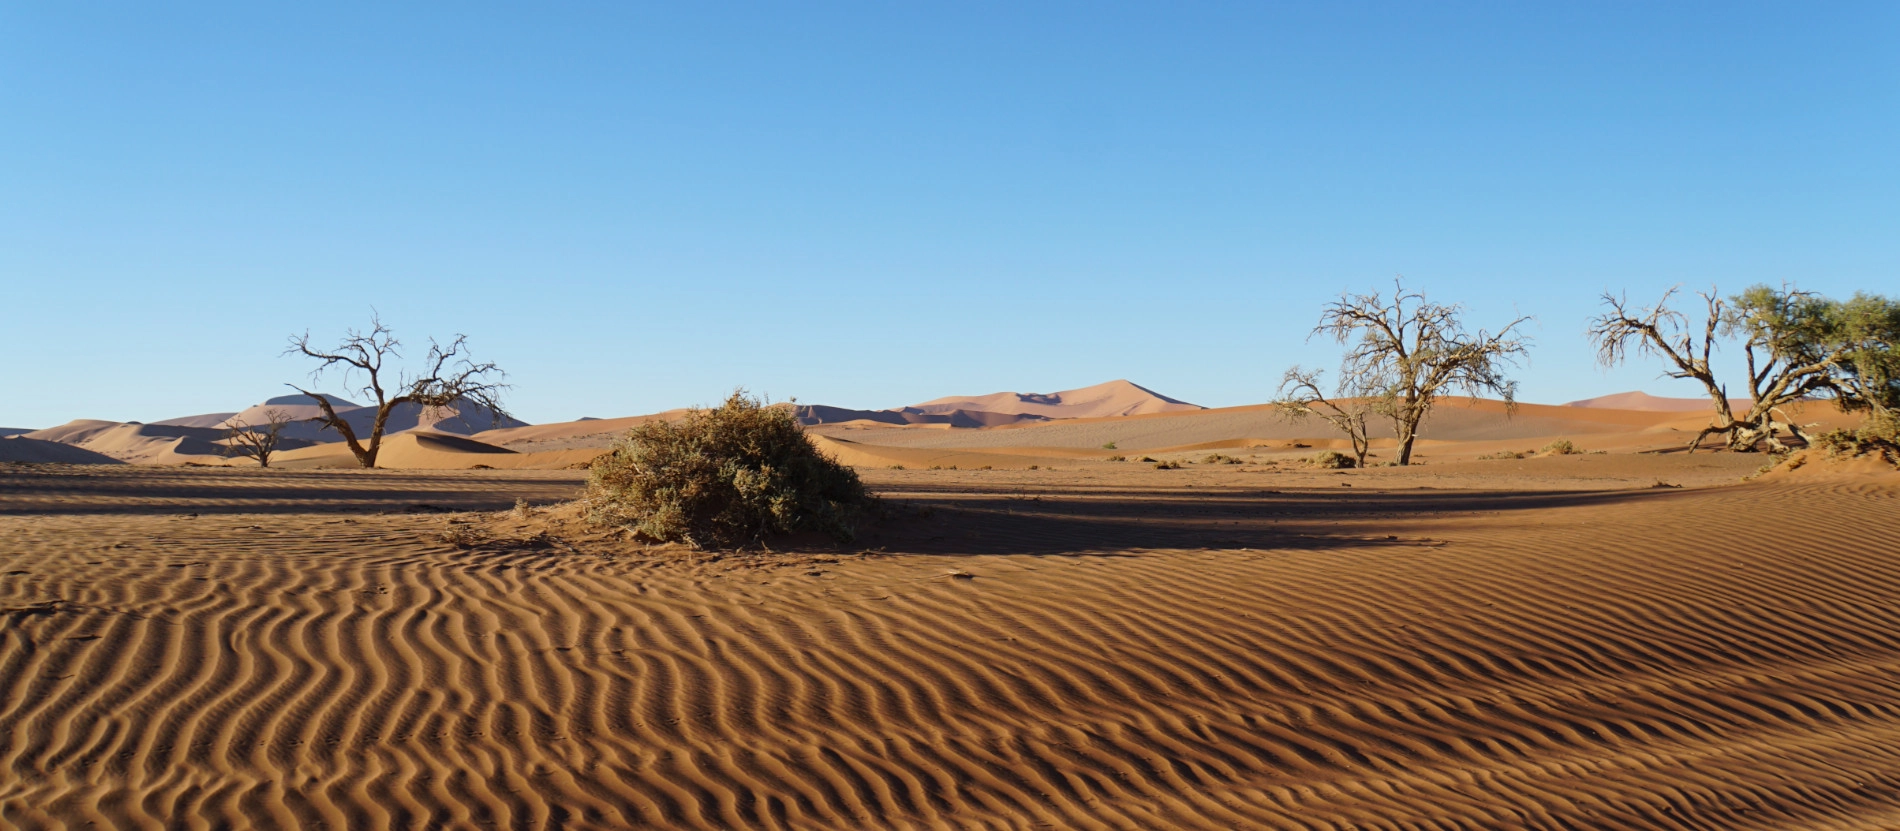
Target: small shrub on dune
<point>1220,459</point>
<point>1560,447</point>
<point>1117,458</point>
<point>727,476</point>
<point>1331,460</point>
<point>1879,435</point>
<point>1167,465</point>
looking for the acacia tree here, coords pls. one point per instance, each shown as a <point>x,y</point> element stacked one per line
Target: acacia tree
<point>1798,346</point>
<point>257,441</point>
<point>1409,351</point>
<point>1300,397</point>
<point>448,377</point>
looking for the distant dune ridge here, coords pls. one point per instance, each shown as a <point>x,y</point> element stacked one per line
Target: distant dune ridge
<point>1115,398</point>
<point>1000,430</point>
<point>19,448</point>
<point>1644,402</point>
<point>465,421</point>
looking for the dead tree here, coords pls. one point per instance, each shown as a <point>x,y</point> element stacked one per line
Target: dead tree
<point>1410,351</point>
<point>1798,346</point>
<point>448,377</point>
<point>1300,397</point>
<point>256,441</point>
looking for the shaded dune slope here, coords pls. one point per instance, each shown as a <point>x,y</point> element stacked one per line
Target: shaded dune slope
<point>1133,659</point>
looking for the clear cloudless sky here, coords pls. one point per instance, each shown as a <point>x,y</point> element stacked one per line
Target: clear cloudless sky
<point>636,207</point>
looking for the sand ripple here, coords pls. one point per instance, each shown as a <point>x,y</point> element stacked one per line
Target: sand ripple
<point>1640,661</point>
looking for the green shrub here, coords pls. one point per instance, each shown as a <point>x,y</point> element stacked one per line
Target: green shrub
<point>1880,433</point>
<point>1109,446</point>
<point>1331,460</point>
<point>726,476</point>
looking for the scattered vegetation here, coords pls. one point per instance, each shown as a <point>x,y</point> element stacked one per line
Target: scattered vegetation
<point>1405,353</point>
<point>1167,465</point>
<point>1145,459</point>
<point>1117,458</point>
<point>1560,447</point>
<point>463,535</point>
<point>1798,346</point>
<point>448,377</point>
<point>1220,459</point>
<point>1109,446</point>
<point>522,509</point>
<point>1502,454</point>
<point>1332,460</point>
<point>1879,435</point>
<point>256,441</point>
<point>725,476</point>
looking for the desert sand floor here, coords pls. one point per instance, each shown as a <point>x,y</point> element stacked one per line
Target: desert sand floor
<point>1089,649</point>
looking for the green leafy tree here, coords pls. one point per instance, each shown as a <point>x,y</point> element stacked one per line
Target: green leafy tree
<point>1798,346</point>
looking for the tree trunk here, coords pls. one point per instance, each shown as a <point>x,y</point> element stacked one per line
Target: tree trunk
<point>1407,427</point>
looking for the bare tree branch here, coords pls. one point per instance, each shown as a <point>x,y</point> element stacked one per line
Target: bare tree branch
<point>1300,397</point>
<point>1797,345</point>
<point>256,441</point>
<point>1410,351</point>
<point>450,378</point>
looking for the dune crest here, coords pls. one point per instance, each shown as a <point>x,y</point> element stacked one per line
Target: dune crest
<point>1114,398</point>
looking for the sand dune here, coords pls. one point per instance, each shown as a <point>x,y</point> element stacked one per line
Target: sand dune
<point>1454,420</point>
<point>1115,398</point>
<point>21,449</point>
<point>215,420</point>
<point>416,450</point>
<point>1029,654</point>
<point>1637,400</point>
<point>136,443</point>
<point>404,417</point>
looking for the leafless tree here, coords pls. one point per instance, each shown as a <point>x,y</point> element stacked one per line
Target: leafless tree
<point>449,377</point>
<point>1798,346</point>
<point>257,441</point>
<point>1409,351</point>
<point>1300,397</point>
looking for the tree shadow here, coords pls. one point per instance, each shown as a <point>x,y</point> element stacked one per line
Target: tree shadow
<point>948,521</point>
<point>73,489</point>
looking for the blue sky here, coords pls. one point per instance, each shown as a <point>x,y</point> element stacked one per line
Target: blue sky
<point>639,207</point>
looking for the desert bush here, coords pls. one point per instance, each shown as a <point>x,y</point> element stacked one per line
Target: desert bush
<point>1502,454</point>
<point>1219,459</point>
<point>1109,446</point>
<point>464,536</point>
<point>1331,460</point>
<point>1167,465</point>
<point>1880,433</point>
<point>1117,458</point>
<point>729,475</point>
<point>1560,447</point>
